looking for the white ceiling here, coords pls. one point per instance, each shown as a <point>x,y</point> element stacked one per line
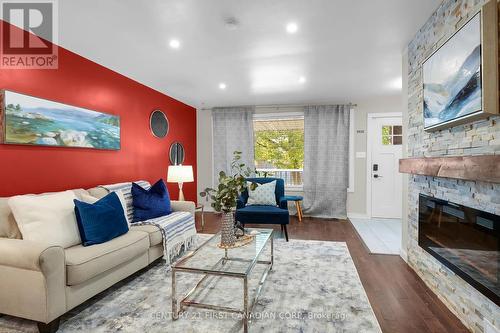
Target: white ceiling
<point>347,50</point>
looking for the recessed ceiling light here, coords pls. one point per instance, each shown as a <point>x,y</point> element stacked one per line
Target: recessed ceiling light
<point>222,86</point>
<point>292,27</point>
<point>395,84</point>
<point>302,79</point>
<point>174,43</point>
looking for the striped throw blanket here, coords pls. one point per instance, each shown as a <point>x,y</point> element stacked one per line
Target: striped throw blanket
<point>178,232</point>
<point>126,189</point>
<point>177,229</point>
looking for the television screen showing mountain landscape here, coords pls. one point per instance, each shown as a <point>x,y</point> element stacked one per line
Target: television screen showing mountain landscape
<point>452,77</point>
<point>35,121</point>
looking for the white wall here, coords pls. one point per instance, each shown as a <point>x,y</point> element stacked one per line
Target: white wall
<point>356,201</point>
<point>404,99</point>
<point>204,151</point>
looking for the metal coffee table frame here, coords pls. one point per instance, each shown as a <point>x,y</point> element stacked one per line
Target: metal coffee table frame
<point>247,309</point>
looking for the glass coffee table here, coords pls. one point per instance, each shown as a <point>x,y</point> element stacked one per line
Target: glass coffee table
<point>210,260</point>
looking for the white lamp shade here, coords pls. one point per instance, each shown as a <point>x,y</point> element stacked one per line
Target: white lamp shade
<point>180,174</point>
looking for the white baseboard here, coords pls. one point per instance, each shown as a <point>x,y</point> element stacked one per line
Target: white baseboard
<point>403,255</point>
<point>209,208</point>
<point>357,215</point>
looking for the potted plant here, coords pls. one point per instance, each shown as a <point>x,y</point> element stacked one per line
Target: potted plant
<point>224,197</point>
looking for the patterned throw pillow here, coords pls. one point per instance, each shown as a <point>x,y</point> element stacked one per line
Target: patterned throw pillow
<point>264,194</point>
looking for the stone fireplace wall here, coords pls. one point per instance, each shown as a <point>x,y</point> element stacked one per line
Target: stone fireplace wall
<point>477,138</point>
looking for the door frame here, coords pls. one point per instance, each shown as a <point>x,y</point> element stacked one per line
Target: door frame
<point>369,131</point>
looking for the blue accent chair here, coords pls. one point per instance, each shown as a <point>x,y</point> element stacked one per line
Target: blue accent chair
<point>260,214</point>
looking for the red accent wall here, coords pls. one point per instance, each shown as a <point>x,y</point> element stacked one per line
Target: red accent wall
<point>81,82</point>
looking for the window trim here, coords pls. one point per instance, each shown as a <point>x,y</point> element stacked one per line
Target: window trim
<point>277,115</point>
<point>300,114</point>
<point>350,187</point>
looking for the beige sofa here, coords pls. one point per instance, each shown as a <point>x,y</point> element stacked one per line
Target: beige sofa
<point>41,282</point>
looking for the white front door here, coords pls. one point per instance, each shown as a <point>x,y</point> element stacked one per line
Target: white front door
<point>385,141</point>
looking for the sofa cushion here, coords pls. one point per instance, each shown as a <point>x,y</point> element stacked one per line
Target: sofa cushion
<point>80,193</point>
<point>8,225</point>
<point>90,199</point>
<point>262,215</point>
<point>100,221</point>
<point>98,192</point>
<point>154,233</point>
<point>47,218</point>
<point>150,203</point>
<point>84,263</point>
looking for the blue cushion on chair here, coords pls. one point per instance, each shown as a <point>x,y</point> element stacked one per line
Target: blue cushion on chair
<point>152,203</point>
<point>101,221</point>
<point>262,215</point>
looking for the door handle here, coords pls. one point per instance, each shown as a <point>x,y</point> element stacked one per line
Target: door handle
<point>377,176</point>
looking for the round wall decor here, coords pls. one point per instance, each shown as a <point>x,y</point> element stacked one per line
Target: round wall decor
<point>176,153</point>
<point>158,123</point>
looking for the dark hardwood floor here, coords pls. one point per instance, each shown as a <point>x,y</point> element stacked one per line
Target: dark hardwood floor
<point>400,299</point>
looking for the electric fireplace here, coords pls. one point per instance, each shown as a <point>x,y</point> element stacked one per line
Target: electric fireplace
<point>465,240</point>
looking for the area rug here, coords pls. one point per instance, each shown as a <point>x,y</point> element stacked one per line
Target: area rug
<point>313,287</point>
<point>381,236</point>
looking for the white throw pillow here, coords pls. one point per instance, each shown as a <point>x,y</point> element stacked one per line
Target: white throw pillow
<point>264,194</point>
<point>47,218</point>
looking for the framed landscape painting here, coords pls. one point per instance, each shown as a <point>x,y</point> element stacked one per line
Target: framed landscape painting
<point>460,79</point>
<point>30,120</point>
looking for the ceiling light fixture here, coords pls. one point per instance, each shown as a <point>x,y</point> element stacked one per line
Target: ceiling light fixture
<point>231,23</point>
<point>302,79</point>
<point>174,43</point>
<point>222,86</point>
<point>396,84</point>
<point>292,27</point>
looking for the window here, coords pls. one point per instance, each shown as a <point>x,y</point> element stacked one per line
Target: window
<point>392,135</point>
<point>279,146</point>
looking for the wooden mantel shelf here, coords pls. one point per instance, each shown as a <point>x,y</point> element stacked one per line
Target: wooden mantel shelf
<point>484,168</point>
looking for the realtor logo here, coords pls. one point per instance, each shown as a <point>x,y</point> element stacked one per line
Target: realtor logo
<point>29,32</point>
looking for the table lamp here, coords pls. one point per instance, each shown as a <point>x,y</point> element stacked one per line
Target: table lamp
<point>180,174</point>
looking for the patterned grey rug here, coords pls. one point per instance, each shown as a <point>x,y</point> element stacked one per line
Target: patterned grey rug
<point>313,287</point>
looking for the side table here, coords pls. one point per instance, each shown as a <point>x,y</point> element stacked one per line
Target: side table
<point>297,199</point>
<point>202,208</point>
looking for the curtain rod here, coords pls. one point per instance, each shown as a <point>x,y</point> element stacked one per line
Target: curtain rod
<point>278,106</point>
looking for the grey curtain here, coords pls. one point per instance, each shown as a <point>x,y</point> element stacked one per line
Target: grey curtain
<point>326,160</point>
<point>232,130</point>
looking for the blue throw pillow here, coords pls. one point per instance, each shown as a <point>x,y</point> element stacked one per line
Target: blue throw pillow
<point>101,221</point>
<point>152,203</point>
